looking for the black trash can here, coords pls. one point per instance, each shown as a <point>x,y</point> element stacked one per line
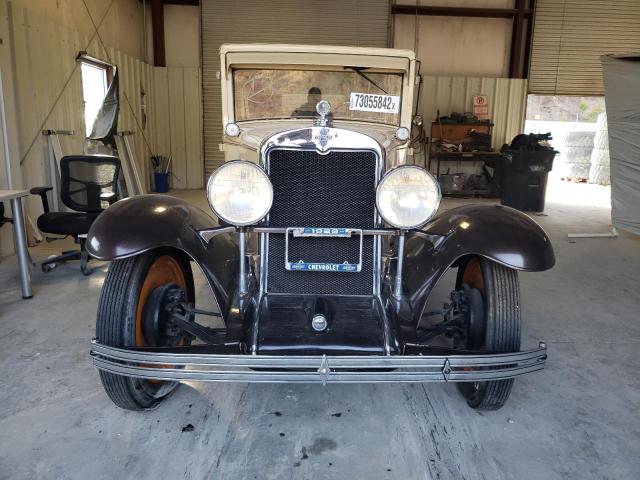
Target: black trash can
<point>524,178</point>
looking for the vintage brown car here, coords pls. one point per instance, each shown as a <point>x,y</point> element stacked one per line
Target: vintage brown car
<point>325,248</point>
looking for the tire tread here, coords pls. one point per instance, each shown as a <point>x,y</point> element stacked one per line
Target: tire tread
<point>115,324</point>
<point>110,306</point>
<point>502,295</point>
<point>506,336</point>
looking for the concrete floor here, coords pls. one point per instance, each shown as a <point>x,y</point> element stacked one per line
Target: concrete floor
<point>578,419</point>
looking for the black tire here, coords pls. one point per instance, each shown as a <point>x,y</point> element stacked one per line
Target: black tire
<point>501,294</point>
<point>118,314</point>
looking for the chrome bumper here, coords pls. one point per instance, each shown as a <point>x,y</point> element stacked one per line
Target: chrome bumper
<point>316,369</point>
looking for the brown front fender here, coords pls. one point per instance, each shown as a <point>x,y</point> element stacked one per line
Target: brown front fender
<point>499,233</point>
<point>141,223</point>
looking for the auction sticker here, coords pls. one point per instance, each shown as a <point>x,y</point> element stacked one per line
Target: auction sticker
<point>368,102</point>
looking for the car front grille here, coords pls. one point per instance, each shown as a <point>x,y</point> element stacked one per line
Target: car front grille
<point>314,190</point>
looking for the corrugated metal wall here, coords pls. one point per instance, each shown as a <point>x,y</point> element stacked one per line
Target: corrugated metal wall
<point>507,101</point>
<point>44,61</point>
<point>178,116</point>
<point>334,22</point>
<point>569,36</point>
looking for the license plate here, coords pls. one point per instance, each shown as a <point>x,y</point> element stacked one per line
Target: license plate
<point>368,102</point>
<point>339,266</point>
<point>321,232</point>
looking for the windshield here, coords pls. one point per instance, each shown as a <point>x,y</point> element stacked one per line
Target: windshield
<point>354,93</point>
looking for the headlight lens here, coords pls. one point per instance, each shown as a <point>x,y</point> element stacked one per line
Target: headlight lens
<point>240,193</point>
<point>408,196</point>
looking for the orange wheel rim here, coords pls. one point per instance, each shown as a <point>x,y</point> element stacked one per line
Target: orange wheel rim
<point>472,275</point>
<point>165,269</point>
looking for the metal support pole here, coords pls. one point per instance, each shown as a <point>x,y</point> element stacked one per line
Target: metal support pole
<point>54,175</point>
<point>134,166</point>
<point>54,153</point>
<point>397,284</point>
<point>21,246</point>
<point>132,177</point>
<point>242,246</point>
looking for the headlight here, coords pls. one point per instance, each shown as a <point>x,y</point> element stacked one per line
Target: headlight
<point>240,193</point>
<point>408,196</point>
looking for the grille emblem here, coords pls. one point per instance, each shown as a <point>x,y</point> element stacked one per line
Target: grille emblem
<point>324,138</point>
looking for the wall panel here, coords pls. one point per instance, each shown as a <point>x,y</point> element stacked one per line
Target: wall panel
<point>193,127</point>
<point>178,121</point>
<point>176,127</point>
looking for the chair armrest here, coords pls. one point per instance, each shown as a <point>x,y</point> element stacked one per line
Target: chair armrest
<point>109,197</point>
<point>42,191</point>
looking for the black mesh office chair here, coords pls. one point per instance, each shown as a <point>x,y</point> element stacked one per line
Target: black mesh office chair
<point>4,219</point>
<point>88,184</point>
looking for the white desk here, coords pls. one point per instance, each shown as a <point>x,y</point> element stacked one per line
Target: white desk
<point>20,237</point>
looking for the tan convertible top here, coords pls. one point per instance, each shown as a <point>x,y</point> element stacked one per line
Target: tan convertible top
<point>326,49</point>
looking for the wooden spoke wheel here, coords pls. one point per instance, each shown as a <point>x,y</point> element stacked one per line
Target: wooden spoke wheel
<point>499,330</point>
<point>132,295</point>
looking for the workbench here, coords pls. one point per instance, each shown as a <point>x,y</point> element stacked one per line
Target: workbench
<point>491,159</point>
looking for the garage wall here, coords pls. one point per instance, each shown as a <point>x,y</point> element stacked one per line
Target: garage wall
<point>462,57</point>
<point>338,22</point>
<point>177,116</point>
<point>457,46</point>
<point>120,29</point>
<point>46,75</point>
<point>40,72</point>
<point>181,35</point>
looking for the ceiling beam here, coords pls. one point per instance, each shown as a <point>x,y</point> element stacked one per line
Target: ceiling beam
<point>193,3</point>
<point>458,11</point>
<point>157,30</point>
<point>517,56</point>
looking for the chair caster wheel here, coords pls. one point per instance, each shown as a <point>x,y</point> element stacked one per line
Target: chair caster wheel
<point>47,268</point>
<point>84,263</point>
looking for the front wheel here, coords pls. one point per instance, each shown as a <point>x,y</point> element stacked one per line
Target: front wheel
<point>130,290</point>
<point>500,330</point>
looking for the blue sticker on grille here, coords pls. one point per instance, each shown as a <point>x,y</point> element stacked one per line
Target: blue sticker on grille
<point>321,232</point>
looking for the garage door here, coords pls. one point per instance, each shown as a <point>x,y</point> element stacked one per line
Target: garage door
<point>332,22</point>
<point>569,36</point>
